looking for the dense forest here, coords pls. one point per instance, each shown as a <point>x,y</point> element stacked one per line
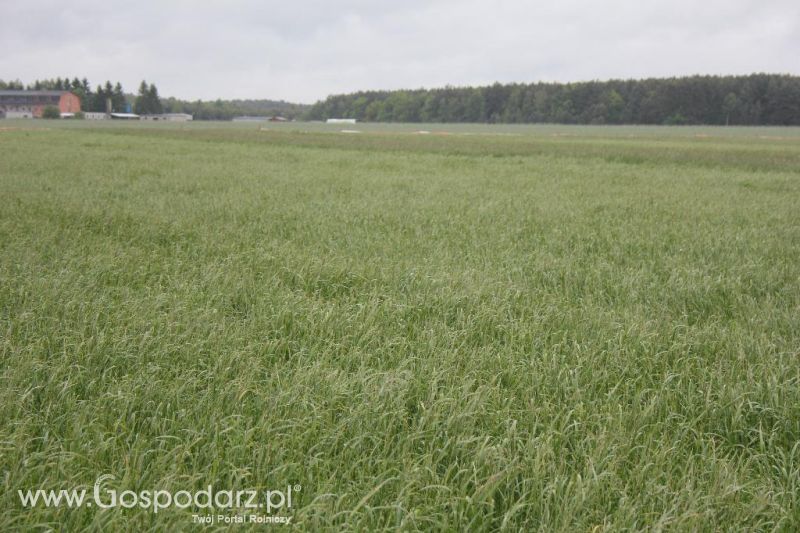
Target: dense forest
<point>758,99</point>
<point>148,101</point>
<point>227,109</point>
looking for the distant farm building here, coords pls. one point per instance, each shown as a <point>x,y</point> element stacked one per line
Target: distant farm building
<point>31,104</point>
<point>169,117</point>
<point>123,116</point>
<point>341,121</point>
<point>250,119</point>
<point>94,115</point>
<point>247,118</point>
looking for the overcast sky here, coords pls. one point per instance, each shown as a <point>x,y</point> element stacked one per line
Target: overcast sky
<point>304,50</point>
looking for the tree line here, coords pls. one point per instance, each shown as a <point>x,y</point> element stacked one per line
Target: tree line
<point>91,99</point>
<point>148,101</point>
<point>97,99</point>
<point>228,109</point>
<point>757,99</point>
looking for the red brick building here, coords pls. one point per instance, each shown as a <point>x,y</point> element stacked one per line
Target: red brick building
<point>30,104</point>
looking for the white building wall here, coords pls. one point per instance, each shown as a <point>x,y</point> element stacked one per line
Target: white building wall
<point>19,114</point>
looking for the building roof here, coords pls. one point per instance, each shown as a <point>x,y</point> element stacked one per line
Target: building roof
<point>166,115</point>
<point>124,115</point>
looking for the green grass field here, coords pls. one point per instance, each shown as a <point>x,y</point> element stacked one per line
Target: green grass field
<point>477,329</point>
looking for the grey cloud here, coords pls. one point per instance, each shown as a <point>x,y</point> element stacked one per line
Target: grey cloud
<point>307,49</point>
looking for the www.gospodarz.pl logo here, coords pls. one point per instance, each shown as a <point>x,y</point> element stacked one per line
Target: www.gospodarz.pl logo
<point>268,502</point>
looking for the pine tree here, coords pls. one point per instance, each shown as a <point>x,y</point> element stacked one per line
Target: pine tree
<point>141,105</point>
<point>153,100</point>
<point>118,97</point>
<point>99,100</point>
<point>87,98</point>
